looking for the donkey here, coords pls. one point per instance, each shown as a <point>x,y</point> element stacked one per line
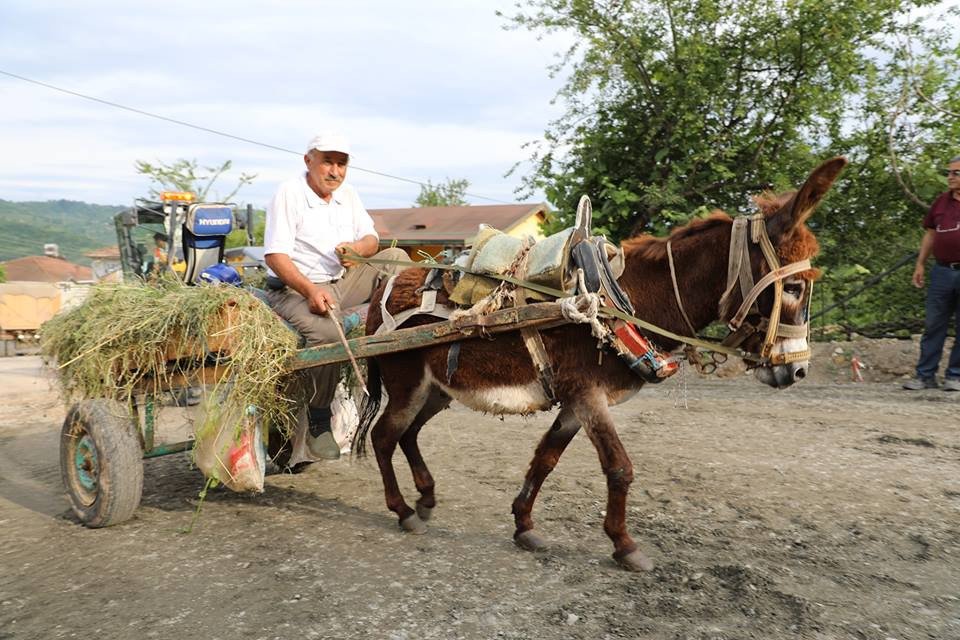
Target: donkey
<point>498,375</point>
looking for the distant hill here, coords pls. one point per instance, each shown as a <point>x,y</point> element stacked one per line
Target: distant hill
<point>76,227</point>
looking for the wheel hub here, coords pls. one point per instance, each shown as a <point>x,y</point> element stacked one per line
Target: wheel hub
<point>87,468</point>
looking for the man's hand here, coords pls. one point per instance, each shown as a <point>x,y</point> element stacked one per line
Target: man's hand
<point>321,301</point>
<point>346,251</point>
<point>918,276</point>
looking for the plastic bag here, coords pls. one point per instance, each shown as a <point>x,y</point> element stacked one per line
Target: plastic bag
<point>230,450</point>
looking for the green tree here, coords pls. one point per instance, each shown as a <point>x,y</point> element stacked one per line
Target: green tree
<point>677,106</point>
<point>188,175</point>
<point>238,237</point>
<point>905,131</point>
<point>450,193</point>
<point>3,274</point>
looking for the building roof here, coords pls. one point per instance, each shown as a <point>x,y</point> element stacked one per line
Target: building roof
<point>105,253</point>
<point>45,269</point>
<point>418,225</point>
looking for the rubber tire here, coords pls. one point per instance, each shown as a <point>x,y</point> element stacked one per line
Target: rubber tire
<point>119,462</point>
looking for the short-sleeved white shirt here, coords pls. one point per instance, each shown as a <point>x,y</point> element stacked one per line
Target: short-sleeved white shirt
<point>303,226</point>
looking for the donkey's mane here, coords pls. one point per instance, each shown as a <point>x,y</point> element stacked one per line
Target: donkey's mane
<point>801,243</point>
<point>654,248</point>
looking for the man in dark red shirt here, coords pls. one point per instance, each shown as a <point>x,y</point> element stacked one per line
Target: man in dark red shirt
<point>942,239</point>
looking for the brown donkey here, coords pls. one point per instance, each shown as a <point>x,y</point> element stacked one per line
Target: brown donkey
<point>497,375</point>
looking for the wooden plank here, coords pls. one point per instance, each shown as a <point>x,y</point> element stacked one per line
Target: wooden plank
<point>540,315</point>
<point>201,375</point>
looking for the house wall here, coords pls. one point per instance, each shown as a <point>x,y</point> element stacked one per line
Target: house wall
<point>103,267</point>
<point>529,227</point>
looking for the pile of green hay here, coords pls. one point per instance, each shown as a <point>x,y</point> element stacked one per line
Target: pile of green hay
<point>119,342</point>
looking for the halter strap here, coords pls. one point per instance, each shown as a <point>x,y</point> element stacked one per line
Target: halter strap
<point>676,289</point>
<point>765,281</point>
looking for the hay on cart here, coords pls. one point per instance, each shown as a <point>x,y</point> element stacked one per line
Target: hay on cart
<point>130,339</point>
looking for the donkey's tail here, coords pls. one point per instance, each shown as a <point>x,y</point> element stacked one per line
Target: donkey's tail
<point>369,409</point>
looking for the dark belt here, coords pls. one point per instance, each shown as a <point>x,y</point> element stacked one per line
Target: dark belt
<point>949,265</point>
<point>274,283</point>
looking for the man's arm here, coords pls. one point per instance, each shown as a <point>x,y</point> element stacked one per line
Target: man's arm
<point>320,300</point>
<point>365,247</point>
<point>926,246</point>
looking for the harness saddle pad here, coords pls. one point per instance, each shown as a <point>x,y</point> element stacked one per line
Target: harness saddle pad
<point>548,264</point>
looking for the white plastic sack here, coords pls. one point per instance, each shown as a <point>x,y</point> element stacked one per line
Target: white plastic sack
<point>229,449</point>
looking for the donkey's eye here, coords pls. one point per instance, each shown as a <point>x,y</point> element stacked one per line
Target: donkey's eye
<point>794,289</point>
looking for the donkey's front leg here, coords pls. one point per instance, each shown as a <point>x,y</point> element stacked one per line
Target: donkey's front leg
<point>592,412</point>
<point>548,453</point>
<point>403,405</point>
<point>436,402</point>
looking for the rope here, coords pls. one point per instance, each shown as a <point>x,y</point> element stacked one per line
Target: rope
<point>570,308</point>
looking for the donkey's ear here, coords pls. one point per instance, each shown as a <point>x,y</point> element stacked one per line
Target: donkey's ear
<point>802,204</point>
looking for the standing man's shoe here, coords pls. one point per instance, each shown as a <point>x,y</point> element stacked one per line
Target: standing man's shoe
<point>951,384</point>
<point>918,384</point>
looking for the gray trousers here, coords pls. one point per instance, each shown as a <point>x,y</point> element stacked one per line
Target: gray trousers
<point>355,288</point>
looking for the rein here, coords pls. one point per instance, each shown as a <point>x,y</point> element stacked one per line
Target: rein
<point>738,271</point>
<point>609,312</point>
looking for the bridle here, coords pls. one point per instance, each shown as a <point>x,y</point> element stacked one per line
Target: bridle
<point>739,272</point>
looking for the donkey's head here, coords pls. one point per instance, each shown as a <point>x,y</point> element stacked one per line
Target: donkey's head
<point>769,317</point>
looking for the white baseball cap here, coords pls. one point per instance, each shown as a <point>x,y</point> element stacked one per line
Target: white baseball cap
<point>329,141</point>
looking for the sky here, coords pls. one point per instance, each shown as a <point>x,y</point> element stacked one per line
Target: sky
<point>424,90</point>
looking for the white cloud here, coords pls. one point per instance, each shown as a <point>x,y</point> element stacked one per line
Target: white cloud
<point>426,90</point>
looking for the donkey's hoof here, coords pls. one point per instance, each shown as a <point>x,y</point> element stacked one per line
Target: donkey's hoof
<point>636,560</point>
<point>413,524</point>
<point>531,541</point>
<point>425,513</point>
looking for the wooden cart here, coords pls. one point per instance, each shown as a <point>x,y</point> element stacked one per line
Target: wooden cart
<point>103,443</point>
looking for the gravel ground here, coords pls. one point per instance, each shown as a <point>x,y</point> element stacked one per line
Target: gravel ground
<point>828,510</point>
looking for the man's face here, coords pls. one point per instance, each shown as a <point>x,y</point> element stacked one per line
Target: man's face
<point>953,176</point>
<point>326,170</point>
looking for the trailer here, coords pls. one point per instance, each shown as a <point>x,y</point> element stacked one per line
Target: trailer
<point>103,443</point>
<point>24,306</point>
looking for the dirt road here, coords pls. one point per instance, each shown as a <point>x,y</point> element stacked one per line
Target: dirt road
<point>823,511</point>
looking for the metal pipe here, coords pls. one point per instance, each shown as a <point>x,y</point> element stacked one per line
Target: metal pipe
<point>167,449</point>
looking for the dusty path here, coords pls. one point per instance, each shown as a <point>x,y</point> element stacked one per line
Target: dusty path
<point>824,511</point>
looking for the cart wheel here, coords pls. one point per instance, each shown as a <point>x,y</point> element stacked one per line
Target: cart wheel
<point>101,463</point>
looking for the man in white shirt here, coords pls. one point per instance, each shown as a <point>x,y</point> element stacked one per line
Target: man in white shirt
<point>315,224</point>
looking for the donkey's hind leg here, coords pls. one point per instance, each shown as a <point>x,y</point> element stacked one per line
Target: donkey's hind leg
<point>436,402</point>
<point>548,453</point>
<point>592,412</point>
<point>406,398</point>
